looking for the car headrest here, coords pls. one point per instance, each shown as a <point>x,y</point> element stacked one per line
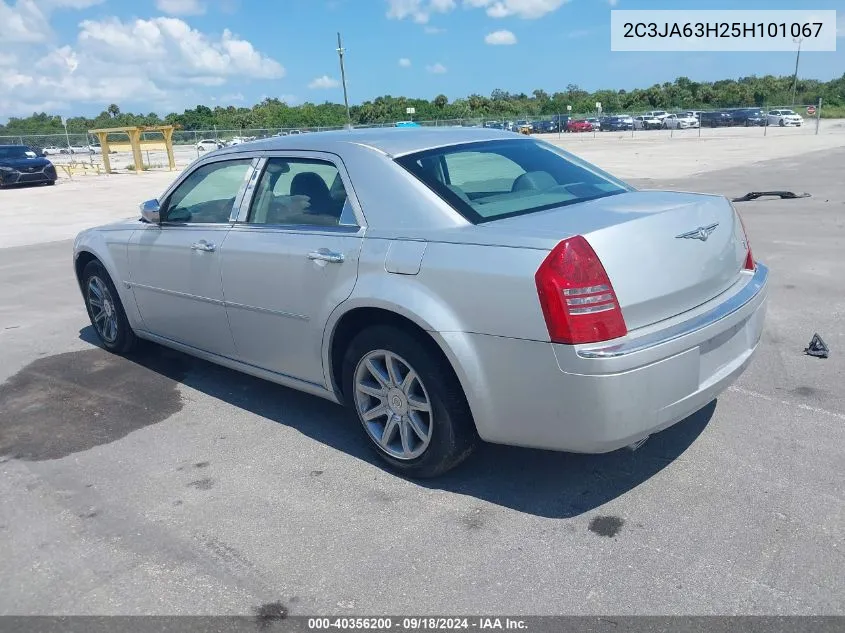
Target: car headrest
<point>534,180</point>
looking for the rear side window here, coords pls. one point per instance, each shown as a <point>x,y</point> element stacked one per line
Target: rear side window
<point>492,180</point>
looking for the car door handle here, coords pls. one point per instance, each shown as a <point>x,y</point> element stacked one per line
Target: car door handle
<point>202,245</point>
<point>325,255</point>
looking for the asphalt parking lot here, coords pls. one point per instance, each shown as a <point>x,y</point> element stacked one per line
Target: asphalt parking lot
<point>162,484</point>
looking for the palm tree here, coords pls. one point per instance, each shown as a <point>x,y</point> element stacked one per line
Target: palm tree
<point>113,110</point>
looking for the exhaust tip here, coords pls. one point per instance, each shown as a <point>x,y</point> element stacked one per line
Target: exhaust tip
<point>637,444</point>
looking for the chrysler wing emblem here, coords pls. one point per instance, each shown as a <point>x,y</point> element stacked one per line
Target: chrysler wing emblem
<point>701,233</point>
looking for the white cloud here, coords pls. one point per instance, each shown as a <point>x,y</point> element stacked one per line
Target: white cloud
<point>27,21</point>
<point>526,9</point>
<point>421,10</point>
<point>324,82</point>
<point>613,3</point>
<point>181,7</point>
<point>23,22</point>
<point>168,46</point>
<point>70,4</point>
<point>165,55</point>
<point>500,38</point>
<point>418,10</point>
<point>404,62</point>
<point>436,69</point>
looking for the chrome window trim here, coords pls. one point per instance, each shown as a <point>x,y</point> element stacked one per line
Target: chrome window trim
<point>309,229</point>
<point>719,312</point>
<point>328,157</point>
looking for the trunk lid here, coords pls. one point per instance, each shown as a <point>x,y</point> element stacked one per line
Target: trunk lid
<point>656,273</point>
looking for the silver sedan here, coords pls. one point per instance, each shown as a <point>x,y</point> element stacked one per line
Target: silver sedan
<point>449,285</point>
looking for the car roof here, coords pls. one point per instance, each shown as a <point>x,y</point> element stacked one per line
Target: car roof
<point>391,141</point>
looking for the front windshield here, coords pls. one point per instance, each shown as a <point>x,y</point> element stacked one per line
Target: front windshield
<point>497,179</point>
<point>18,151</point>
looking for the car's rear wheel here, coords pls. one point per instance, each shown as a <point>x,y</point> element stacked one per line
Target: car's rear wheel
<point>782,123</point>
<point>105,310</point>
<point>409,402</point>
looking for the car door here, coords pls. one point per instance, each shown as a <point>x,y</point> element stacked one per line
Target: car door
<point>175,265</point>
<point>290,260</point>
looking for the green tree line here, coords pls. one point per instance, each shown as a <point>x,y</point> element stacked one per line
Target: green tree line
<point>272,113</point>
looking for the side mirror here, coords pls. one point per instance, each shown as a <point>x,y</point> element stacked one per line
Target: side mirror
<point>151,211</point>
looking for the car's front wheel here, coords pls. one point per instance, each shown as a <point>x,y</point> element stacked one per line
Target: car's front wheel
<point>105,310</point>
<point>409,402</point>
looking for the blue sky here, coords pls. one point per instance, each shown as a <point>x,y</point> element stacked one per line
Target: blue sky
<point>76,56</point>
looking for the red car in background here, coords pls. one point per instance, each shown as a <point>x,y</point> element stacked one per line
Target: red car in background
<point>579,125</point>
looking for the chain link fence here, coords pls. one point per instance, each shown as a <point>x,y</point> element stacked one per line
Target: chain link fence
<point>71,149</point>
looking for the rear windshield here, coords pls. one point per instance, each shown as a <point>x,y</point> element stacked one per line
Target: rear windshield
<point>492,180</point>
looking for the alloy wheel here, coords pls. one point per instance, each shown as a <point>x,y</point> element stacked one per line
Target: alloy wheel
<point>393,404</point>
<point>103,309</point>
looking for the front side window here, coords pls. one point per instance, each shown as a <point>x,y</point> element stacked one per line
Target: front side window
<point>497,179</point>
<point>208,194</point>
<point>299,191</point>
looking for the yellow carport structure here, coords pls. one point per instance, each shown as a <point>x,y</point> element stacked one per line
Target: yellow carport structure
<point>136,143</point>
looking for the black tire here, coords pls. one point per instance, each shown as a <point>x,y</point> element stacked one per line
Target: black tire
<point>782,123</point>
<point>452,432</point>
<point>124,340</point>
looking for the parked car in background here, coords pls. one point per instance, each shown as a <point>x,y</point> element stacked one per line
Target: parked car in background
<point>657,114</point>
<point>52,150</point>
<point>407,124</point>
<point>560,121</point>
<point>679,122</point>
<point>579,125</point>
<point>645,122</point>
<point>208,144</point>
<point>81,149</point>
<point>19,165</point>
<point>785,118</point>
<point>715,119</point>
<point>493,125</point>
<point>749,117</point>
<point>617,123</point>
<point>620,312</point>
<point>291,132</point>
<point>544,127</point>
<point>595,122</point>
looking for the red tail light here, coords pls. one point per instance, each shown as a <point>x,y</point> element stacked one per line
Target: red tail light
<point>576,295</point>
<point>749,258</point>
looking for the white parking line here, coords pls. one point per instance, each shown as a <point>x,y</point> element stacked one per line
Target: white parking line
<point>805,407</point>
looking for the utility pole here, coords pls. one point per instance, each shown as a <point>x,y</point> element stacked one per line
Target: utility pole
<point>67,136</point>
<point>798,41</point>
<point>343,80</point>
